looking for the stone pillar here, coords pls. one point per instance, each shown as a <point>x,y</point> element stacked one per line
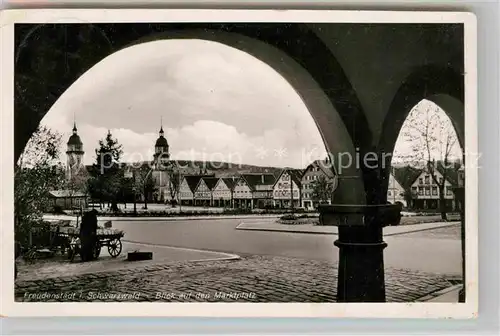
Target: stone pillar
<point>361,245</point>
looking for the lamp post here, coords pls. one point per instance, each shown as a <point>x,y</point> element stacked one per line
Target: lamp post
<point>459,192</point>
<point>179,191</point>
<point>131,174</point>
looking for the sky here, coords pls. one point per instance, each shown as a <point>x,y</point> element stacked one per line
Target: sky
<point>215,103</point>
<point>426,121</point>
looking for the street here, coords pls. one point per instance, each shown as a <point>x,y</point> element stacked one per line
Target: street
<point>274,266</point>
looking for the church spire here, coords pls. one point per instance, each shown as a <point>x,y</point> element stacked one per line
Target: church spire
<point>161,126</point>
<point>74,124</point>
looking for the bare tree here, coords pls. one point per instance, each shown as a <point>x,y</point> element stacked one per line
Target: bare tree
<point>432,141</point>
<point>77,182</point>
<point>145,183</point>
<point>173,183</point>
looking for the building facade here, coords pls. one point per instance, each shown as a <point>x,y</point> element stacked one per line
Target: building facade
<point>287,189</point>
<point>242,194</point>
<point>426,193</point>
<point>261,185</point>
<point>223,192</point>
<point>395,192</point>
<point>203,193</point>
<point>187,189</point>
<point>314,172</point>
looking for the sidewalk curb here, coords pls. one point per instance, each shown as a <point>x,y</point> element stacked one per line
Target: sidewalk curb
<point>420,230</point>
<point>336,233</point>
<point>229,256</point>
<point>434,295</point>
<point>167,219</point>
<point>285,231</point>
<point>135,266</point>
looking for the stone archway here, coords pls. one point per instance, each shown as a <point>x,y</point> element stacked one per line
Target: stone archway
<point>287,48</point>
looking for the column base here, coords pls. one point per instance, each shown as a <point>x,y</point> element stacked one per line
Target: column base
<point>361,272</point>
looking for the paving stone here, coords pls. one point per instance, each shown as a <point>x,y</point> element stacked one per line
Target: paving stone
<point>250,279</point>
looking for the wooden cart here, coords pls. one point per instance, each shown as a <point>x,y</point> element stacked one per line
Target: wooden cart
<point>111,238</point>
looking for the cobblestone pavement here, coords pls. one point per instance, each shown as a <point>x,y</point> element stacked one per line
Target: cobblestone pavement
<point>249,279</point>
<point>59,264</point>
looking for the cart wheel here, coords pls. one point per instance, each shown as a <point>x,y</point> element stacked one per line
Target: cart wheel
<point>97,250</point>
<point>115,247</point>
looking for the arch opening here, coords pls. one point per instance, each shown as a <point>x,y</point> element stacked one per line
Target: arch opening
<point>348,120</point>
<point>426,159</point>
<point>441,85</point>
<point>315,101</point>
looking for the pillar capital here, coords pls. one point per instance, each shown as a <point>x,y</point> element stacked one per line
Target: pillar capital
<point>360,215</point>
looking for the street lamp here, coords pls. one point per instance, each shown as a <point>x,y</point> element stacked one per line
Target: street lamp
<point>131,174</point>
<point>179,191</point>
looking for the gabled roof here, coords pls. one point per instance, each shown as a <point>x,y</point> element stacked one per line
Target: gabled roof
<point>66,193</point>
<point>323,166</point>
<point>209,181</point>
<point>296,175</point>
<point>230,182</point>
<point>451,174</point>
<point>192,181</point>
<point>254,180</point>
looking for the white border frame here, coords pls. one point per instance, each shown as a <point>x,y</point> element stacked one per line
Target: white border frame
<point>379,310</point>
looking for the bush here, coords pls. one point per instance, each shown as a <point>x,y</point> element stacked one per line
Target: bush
<point>237,211</point>
<point>288,217</point>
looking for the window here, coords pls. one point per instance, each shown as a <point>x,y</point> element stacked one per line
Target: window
<point>441,180</point>
<point>427,179</point>
<point>420,180</point>
<point>427,191</point>
<point>420,190</point>
<point>389,193</point>
<point>414,189</point>
<point>449,192</point>
<point>434,191</point>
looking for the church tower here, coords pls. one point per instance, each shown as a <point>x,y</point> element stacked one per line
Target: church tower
<point>161,156</point>
<point>74,154</point>
<point>160,173</point>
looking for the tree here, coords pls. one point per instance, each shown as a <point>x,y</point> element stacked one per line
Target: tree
<point>106,175</point>
<point>77,183</point>
<point>322,189</point>
<point>37,172</point>
<point>173,182</point>
<point>145,183</point>
<point>433,143</point>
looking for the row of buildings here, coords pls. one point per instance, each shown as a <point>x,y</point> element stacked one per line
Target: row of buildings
<point>282,188</point>
<point>288,188</point>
